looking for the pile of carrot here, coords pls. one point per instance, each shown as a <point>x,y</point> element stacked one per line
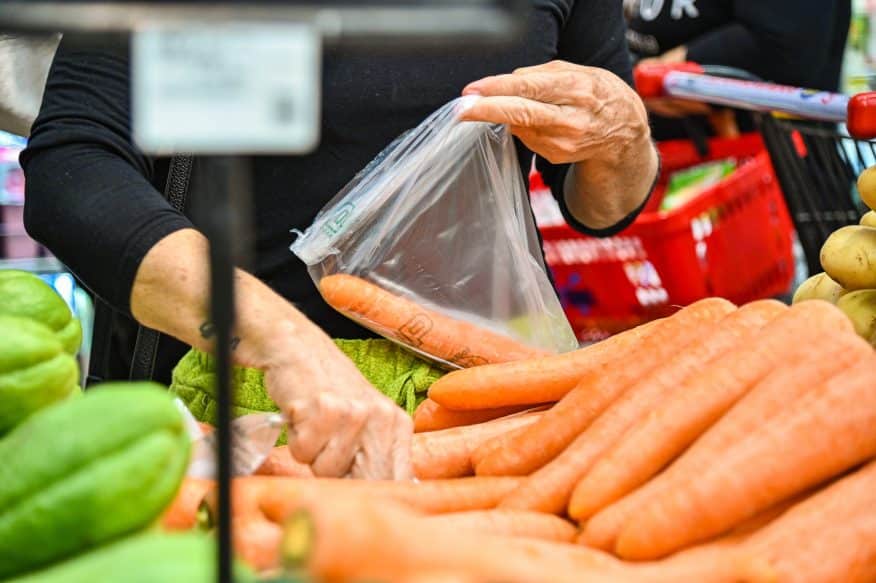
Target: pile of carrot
<point>719,444</point>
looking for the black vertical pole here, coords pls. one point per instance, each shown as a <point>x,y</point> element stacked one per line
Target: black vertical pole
<point>225,188</point>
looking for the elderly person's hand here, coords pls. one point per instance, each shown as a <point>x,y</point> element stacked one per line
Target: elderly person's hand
<point>586,116</point>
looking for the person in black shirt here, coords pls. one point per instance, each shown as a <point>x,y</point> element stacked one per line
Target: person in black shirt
<point>790,42</point>
<point>93,198</point>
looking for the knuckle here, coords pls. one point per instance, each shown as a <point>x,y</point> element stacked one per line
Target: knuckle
<point>358,412</point>
<point>405,423</point>
<point>528,88</point>
<point>387,408</point>
<point>567,148</point>
<point>554,157</point>
<point>570,79</point>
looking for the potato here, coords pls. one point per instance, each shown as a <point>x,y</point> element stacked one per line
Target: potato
<point>869,219</point>
<point>849,257</point>
<point>819,287</point>
<point>860,307</point>
<point>867,187</point>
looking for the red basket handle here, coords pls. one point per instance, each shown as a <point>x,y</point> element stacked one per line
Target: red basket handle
<point>861,121</point>
<point>648,77</point>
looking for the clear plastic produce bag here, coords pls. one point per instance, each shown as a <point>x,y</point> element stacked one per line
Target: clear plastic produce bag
<point>253,438</point>
<point>433,246</point>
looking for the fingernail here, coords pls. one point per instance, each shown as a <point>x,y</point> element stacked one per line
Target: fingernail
<point>466,102</point>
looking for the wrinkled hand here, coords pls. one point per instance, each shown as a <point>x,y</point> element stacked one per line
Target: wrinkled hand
<point>562,111</point>
<point>338,423</point>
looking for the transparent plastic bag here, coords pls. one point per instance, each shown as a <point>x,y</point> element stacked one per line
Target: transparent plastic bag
<point>253,438</point>
<point>439,238</point>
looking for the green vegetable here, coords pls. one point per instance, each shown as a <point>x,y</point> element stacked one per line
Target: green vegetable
<point>685,185</point>
<point>25,294</point>
<point>87,471</point>
<point>34,370</point>
<point>144,558</point>
<point>395,372</point>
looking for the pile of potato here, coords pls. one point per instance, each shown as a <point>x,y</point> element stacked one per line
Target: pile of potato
<point>848,258</point>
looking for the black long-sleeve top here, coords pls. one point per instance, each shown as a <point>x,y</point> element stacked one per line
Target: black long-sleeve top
<point>793,42</point>
<point>94,199</point>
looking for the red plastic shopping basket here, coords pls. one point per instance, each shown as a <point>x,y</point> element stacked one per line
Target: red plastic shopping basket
<point>733,240</point>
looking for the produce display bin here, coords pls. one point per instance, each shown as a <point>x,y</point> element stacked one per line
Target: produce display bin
<point>733,240</point>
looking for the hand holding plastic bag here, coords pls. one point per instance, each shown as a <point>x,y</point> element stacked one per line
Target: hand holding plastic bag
<point>253,438</point>
<point>434,246</point>
<point>253,443</point>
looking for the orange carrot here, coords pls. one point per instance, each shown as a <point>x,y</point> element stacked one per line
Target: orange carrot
<point>824,432</point>
<point>443,576</point>
<point>549,488</point>
<point>257,542</point>
<point>720,561</point>
<point>351,539</point>
<point>182,514</point>
<point>530,382</point>
<point>550,435</point>
<point>272,497</point>
<point>496,443</point>
<point>281,463</point>
<point>786,344</point>
<point>825,537</point>
<point>256,539</point>
<point>746,528</point>
<point>510,523</point>
<point>430,416</point>
<point>454,341</point>
<point>655,441</point>
<point>828,537</point>
<point>447,453</point>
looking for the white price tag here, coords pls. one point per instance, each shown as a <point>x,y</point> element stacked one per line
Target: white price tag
<point>226,89</point>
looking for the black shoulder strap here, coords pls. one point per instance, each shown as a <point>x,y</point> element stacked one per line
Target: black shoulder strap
<point>176,192</point>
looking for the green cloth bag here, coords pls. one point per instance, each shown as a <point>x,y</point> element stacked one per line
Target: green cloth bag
<point>395,372</point>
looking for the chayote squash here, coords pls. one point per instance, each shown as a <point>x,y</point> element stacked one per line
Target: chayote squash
<point>35,371</point>
<point>24,294</point>
<point>143,558</point>
<point>87,471</point>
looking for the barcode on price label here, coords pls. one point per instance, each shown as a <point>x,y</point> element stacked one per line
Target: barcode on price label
<point>226,89</point>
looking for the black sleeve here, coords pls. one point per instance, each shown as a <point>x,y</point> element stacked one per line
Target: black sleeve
<point>593,35</point>
<point>88,196</point>
<point>766,40</point>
